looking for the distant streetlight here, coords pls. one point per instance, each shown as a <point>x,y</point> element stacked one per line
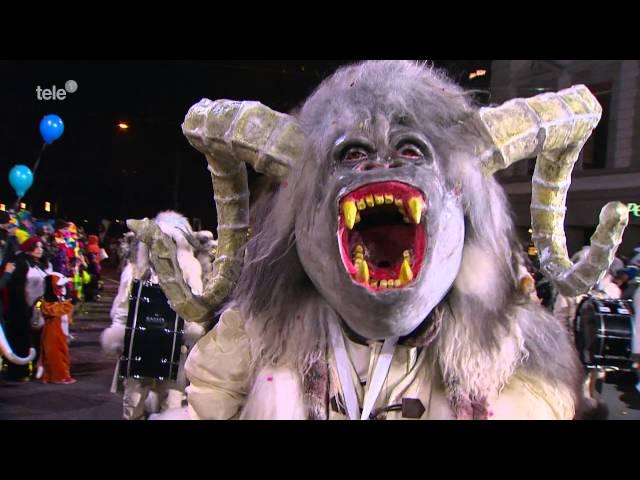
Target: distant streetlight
<point>123,126</point>
<point>478,73</point>
<point>23,205</point>
<point>47,207</point>
<point>2,207</point>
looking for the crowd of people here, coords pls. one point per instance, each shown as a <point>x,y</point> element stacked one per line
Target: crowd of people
<point>48,268</point>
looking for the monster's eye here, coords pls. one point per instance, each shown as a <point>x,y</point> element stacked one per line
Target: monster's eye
<point>355,154</point>
<point>410,151</point>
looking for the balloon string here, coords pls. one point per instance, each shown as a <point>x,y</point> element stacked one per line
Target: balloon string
<point>35,168</point>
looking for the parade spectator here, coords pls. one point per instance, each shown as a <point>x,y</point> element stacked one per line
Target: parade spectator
<point>627,280</point>
<point>25,228</point>
<point>54,346</point>
<point>21,304</point>
<point>635,260</point>
<point>11,245</point>
<point>93,268</point>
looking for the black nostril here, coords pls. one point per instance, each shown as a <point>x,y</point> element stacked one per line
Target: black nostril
<point>370,166</point>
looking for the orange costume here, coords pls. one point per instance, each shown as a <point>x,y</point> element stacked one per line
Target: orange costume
<point>54,347</point>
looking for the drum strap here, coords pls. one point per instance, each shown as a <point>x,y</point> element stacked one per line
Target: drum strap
<point>133,329</point>
<point>173,346</point>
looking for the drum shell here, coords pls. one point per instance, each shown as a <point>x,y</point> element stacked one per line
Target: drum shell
<point>604,333</point>
<point>153,335</point>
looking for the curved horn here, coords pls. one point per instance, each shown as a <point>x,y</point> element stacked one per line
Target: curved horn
<point>231,134</point>
<point>553,127</point>
<point>7,352</point>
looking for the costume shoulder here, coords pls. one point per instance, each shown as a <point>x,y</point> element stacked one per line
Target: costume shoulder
<point>528,397</point>
<point>218,369</point>
<point>120,304</point>
<point>56,309</point>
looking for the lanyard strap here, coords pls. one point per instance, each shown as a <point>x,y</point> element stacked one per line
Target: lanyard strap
<point>377,380</point>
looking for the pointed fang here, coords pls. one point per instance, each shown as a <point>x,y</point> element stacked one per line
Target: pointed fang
<point>349,209</point>
<point>415,209</point>
<point>406,275</point>
<point>362,275</point>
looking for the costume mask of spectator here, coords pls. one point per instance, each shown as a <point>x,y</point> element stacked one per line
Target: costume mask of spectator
<point>55,287</point>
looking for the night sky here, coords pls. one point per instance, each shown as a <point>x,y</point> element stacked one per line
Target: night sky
<point>95,170</point>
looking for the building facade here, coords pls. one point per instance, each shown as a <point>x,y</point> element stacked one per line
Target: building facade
<point>609,166</point>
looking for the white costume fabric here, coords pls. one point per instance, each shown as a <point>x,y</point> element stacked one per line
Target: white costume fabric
<point>34,289</point>
<point>219,365</point>
<point>151,395</point>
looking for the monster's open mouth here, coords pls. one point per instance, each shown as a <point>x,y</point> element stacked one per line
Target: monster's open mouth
<point>381,234</point>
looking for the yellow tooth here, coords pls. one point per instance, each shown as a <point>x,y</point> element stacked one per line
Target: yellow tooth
<point>397,283</point>
<point>361,205</point>
<point>357,217</point>
<point>369,200</point>
<point>388,199</point>
<point>415,209</point>
<point>383,284</point>
<point>399,203</point>
<point>362,275</point>
<point>359,256</point>
<point>374,283</point>
<point>406,254</point>
<point>406,275</point>
<point>406,220</point>
<point>360,249</point>
<point>349,209</point>
<point>379,199</point>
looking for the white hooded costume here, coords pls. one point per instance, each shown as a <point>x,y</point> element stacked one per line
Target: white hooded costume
<point>153,394</point>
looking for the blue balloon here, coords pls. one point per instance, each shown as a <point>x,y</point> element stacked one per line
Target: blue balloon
<point>51,128</point>
<point>21,179</point>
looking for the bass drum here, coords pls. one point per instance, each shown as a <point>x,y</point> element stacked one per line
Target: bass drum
<point>153,335</point>
<point>604,332</point>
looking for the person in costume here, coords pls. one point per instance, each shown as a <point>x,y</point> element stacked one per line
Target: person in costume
<point>93,269</point>
<point>138,393</point>
<point>6,352</point>
<point>54,347</point>
<point>382,278</point>
<point>26,227</point>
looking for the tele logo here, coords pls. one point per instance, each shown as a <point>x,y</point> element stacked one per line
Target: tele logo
<point>55,93</point>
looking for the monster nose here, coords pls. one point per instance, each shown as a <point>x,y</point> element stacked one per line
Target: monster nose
<point>374,164</point>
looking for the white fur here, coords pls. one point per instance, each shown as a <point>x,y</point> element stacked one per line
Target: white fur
<point>479,370</point>
<point>112,339</point>
<point>478,274</point>
<point>275,395</point>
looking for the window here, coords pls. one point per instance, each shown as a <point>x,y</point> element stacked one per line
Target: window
<point>594,152</point>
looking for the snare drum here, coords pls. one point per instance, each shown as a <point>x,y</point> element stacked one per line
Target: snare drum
<point>153,335</point>
<point>604,332</point>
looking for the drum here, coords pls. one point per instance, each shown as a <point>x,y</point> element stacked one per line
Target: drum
<point>604,332</point>
<point>153,335</point>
